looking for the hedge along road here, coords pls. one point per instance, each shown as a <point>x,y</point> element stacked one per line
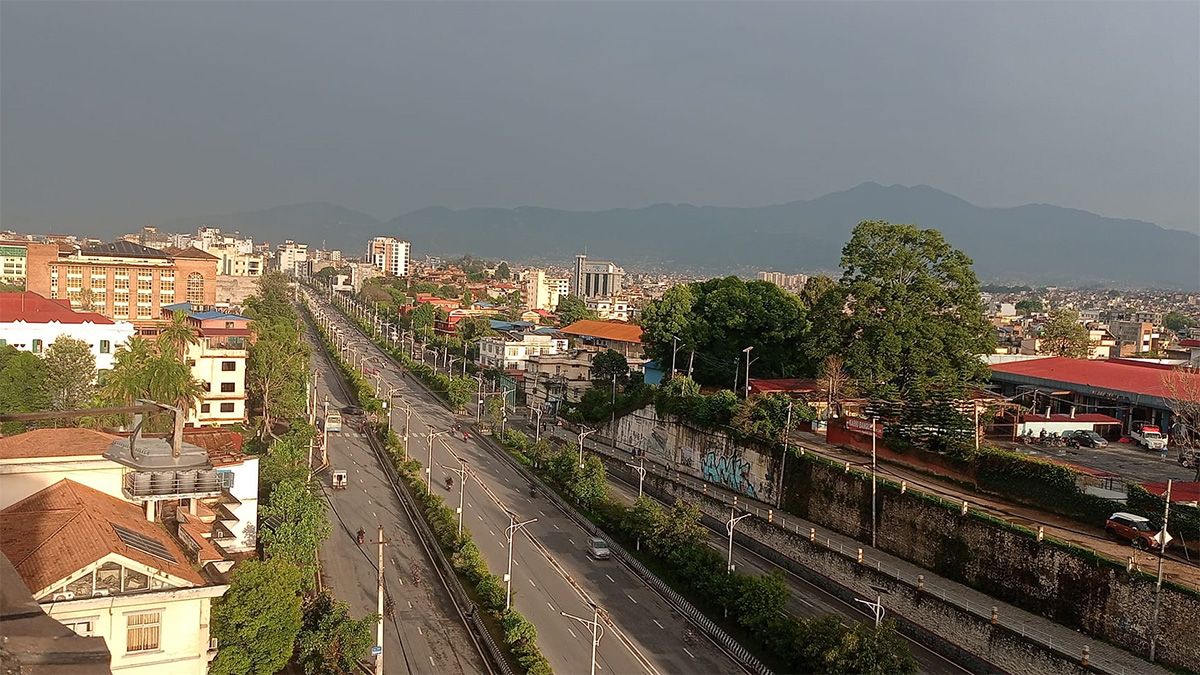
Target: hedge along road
<point>428,635</point>
<point>551,572</point>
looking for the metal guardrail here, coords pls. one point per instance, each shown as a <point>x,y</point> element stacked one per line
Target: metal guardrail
<point>434,551</point>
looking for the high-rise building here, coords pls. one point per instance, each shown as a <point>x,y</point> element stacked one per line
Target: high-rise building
<point>390,255</point>
<point>293,257</point>
<point>789,282</point>
<point>596,279</point>
<point>558,288</point>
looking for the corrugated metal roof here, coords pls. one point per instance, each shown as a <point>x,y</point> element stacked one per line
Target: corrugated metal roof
<point>619,332</point>
<point>1144,379</point>
<point>125,249</point>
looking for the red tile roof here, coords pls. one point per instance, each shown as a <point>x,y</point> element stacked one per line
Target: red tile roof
<point>1189,343</point>
<point>790,385</point>
<point>57,531</point>
<point>607,330</point>
<point>1144,379</point>
<point>1180,491</point>
<point>55,443</point>
<point>33,308</point>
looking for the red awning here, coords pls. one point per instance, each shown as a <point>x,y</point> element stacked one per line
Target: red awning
<point>1180,491</point>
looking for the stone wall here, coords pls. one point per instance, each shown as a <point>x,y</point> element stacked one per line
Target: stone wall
<point>711,456</point>
<point>235,290</point>
<point>1069,586</point>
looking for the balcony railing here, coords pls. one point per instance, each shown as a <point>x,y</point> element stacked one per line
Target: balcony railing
<point>171,484</point>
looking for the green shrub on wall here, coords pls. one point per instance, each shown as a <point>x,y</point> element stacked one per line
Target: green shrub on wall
<point>1040,482</point>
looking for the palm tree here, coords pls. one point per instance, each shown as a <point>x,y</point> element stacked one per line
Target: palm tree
<point>171,382</point>
<point>177,336</point>
<point>129,378</point>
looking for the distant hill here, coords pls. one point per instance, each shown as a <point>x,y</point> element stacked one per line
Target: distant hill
<point>1036,243</point>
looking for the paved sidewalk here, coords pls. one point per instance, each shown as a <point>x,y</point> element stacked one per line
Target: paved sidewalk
<point>1104,657</point>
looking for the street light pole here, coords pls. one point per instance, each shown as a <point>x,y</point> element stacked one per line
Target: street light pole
<point>874,426</point>
<point>379,598</point>
<point>674,351</point>
<point>747,350</point>
<point>787,430</point>
<point>597,630</point>
<point>429,464</point>
<point>1163,540</point>
<point>733,521</point>
<point>640,470</point>
<point>582,435</point>
<point>613,424</point>
<point>512,530</point>
<point>462,489</point>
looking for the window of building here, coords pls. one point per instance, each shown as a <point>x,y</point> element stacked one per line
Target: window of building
<point>143,631</point>
<point>227,387</point>
<point>225,479</point>
<point>205,407</point>
<point>226,407</point>
<point>121,272</point>
<point>195,288</point>
<point>143,311</point>
<point>105,346</point>
<point>229,366</point>
<point>229,324</point>
<point>145,285</point>
<point>37,346</point>
<point>82,627</point>
<point>121,283</point>
<point>207,386</point>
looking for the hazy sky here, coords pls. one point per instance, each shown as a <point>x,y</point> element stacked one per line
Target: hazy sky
<point>117,115</point>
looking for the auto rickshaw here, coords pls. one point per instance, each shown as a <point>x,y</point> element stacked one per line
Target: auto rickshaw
<point>339,479</point>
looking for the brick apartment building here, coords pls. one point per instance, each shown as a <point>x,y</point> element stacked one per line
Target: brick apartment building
<point>123,280</point>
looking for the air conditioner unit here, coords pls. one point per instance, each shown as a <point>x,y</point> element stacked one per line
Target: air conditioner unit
<point>63,596</point>
<point>100,592</point>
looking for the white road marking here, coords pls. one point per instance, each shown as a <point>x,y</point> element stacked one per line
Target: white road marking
<point>572,633</point>
<point>556,526</point>
<point>550,606</point>
<point>420,631</point>
<point>806,602</point>
<point>689,653</point>
<point>631,598</point>
<point>435,665</point>
<point>571,540</point>
<point>517,563</point>
<point>543,513</point>
<point>656,623</point>
<point>532,584</point>
<point>611,579</point>
<point>491,533</point>
<point>479,517</point>
<point>374,515</point>
<point>410,604</point>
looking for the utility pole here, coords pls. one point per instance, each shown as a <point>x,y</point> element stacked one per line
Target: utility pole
<point>512,530</point>
<point>733,521</point>
<point>640,470</point>
<point>462,489</point>
<point>582,435</point>
<point>613,425</point>
<point>691,360</point>
<point>674,351</point>
<point>747,350</point>
<point>597,630</point>
<point>379,625</point>
<point>1163,539</point>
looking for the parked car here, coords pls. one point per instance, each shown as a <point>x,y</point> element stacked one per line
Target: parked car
<point>1132,528</point>
<point>352,411</point>
<point>598,548</point>
<point>1088,439</point>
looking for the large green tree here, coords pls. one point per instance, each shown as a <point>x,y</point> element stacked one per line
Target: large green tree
<point>907,315</point>
<point>22,386</point>
<point>816,286</point>
<point>294,526</point>
<point>572,308</point>
<point>277,371</point>
<point>1177,321</point>
<point>1029,306</point>
<point>471,328</point>
<point>719,319</point>
<point>257,620</point>
<point>1064,335</point>
<point>70,379</point>
<point>609,364</point>
<point>502,271</point>
<point>331,642</point>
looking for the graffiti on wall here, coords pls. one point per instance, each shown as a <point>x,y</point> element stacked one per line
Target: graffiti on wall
<point>728,470</point>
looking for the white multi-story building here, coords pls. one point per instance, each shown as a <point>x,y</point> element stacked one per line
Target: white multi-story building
<point>512,351</point>
<point>128,539</point>
<point>535,292</point>
<point>609,309</point>
<point>218,360</point>
<point>389,255</point>
<point>32,323</point>
<point>293,258</point>
<point>559,288</point>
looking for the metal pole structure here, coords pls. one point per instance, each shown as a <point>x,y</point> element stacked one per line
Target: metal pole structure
<point>874,424</point>
<point>582,435</point>
<point>429,465</point>
<point>379,624</point>
<point>975,406</point>
<point>407,419</point>
<point>747,350</point>
<point>462,488</point>
<point>1162,552</point>
<point>325,430</point>
<point>674,351</point>
<point>311,400</point>
<point>537,431</point>
<point>512,530</point>
<point>597,630</point>
<point>729,526</point>
<point>613,424</point>
<point>787,430</point>
<point>640,469</point>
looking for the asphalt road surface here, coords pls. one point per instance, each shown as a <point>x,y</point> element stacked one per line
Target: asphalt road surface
<point>428,635</point>
<point>551,572</point>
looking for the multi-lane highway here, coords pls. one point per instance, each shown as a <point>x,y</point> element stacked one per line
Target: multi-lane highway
<point>428,634</point>
<point>551,572</point>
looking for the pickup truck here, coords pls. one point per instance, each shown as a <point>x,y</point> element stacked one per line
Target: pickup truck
<point>1149,437</point>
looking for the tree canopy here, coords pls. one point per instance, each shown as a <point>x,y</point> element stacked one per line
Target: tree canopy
<point>1064,335</point>
<point>1029,306</point>
<point>907,314</point>
<point>257,620</point>
<point>502,271</point>
<point>1177,321</point>
<point>22,385</point>
<point>610,363</point>
<point>70,374</point>
<point>331,642</point>
<point>572,308</point>
<point>720,318</point>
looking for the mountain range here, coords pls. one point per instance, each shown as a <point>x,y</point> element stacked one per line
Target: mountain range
<point>1035,243</point>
